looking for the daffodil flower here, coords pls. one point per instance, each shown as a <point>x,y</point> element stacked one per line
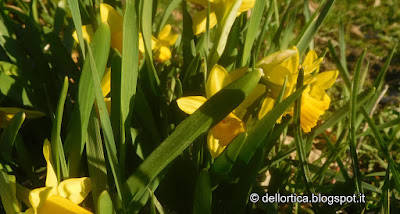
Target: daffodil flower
<point>7,113</point>
<point>55,197</point>
<point>218,9</point>
<point>285,63</point>
<point>225,131</point>
<point>165,40</point>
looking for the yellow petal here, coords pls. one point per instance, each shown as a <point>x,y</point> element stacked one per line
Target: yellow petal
<point>256,93</point>
<point>190,104</point>
<point>106,82</point>
<point>164,54</point>
<point>326,79</point>
<point>164,32</point>
<point>51,177</point>
<point>266,106</point>
<point>200,21</point>
<point>87,31</point>
<point>154,43</point>
<point>38,197</point>
<point>112,17</point>
<point>171,39</point>
<point>226,130</point>
<point>313,67</point>
<point>56,204</point>
<point>246,5</point>
<point>310,58</point>
<point>75,189</point>
<point>213,146</point>
<point>217,79</point>
<point>116,40</point>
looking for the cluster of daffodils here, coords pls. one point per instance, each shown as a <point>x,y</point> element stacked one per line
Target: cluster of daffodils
<point>109,15</point>
<point>63,197</point>
<point>276,67</point>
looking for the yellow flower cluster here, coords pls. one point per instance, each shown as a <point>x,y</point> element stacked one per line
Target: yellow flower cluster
<point>276,67</point>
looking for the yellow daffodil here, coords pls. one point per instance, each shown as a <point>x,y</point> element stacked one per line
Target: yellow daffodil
<point>110,16</point>
<point>106,88</point>
<point>225,131</point>
<point>218,9</point>
<point>165,40</point>
<point>7,113</point>
<point>285,63</point>
<point>55,197</point>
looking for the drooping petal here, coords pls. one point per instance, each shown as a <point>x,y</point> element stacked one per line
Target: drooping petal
<point>266,106</point>
<point>108,104</point>
<point>56,204</point>
<point>190,104</point>
<point>87,31</point>
<point>326,79</point>
<point>112,17</point>
<point>51,177</point>
<point>246,5</point>
<point>213,146</point>
<point>237,73</point>
<point>75,189</point>
<point>226,130</point>
<point>106,82</point>
<point>116,41</point>
<point>200,21</point>
<point>217,79</point>
<point>164,53</point>
<point>38,197</point>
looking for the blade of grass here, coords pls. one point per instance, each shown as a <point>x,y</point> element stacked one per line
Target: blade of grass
<point>308,34</point>
<point>202,194</point>
<point>170,7</point>
<point>208,115</point>
<point>252,30</point>
<point>104,204</point>
<point>353,117</point>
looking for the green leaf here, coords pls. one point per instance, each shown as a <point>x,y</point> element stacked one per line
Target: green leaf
<point>8,192</point>
<point>9,134</point>
<point>77,127</point>
<point>208,115</point>
<point>104,204</point>
<point>224,163</point>
<point>95,158</point>
<point>256,15</point>
<point>105,122</point>
<point>129,72</point>
<point>262,128</point>
<point>76,18</point>
<point>313,26</point>
<point>59,161</point>
<point>222,33</point>
<point>202,194</point>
